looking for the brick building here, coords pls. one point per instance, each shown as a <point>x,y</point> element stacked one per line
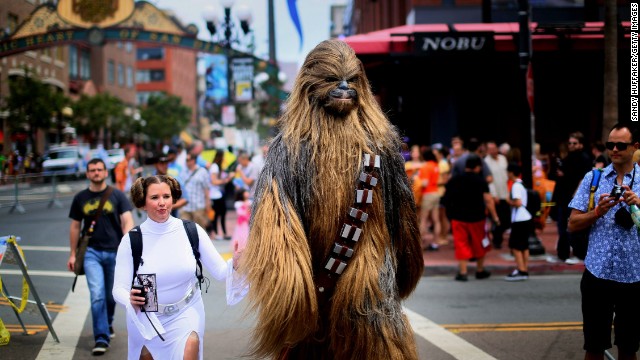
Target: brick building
<point>50,65</point>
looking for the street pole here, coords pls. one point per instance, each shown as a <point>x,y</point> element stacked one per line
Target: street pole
<point>528,121</point>
<point>272,34</point>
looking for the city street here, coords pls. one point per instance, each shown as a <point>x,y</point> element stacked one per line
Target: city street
<point>488,319</point>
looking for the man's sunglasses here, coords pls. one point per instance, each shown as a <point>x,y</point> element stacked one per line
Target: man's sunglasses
<point>622,146</point>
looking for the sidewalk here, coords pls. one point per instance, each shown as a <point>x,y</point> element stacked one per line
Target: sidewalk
<point>500,261</point>
<point>443,262</point>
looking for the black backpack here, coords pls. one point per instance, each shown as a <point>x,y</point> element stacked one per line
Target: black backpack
<point>534,204</point>
<point>135,235</point>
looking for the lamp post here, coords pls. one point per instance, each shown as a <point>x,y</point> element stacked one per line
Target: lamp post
<point>227,31</point>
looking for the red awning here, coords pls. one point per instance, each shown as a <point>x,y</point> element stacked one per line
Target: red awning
<point>394,40</point>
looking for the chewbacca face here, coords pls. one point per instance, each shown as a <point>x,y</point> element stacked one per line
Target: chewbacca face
<point>333,76</point>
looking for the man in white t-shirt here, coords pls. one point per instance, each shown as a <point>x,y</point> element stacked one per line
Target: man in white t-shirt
<point>521,225</point>
<point>498,163</point>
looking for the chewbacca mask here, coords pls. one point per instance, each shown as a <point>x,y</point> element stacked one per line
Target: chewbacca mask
<point>334,243</point>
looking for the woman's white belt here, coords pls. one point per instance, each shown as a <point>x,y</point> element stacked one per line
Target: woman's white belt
<point>170,309</point>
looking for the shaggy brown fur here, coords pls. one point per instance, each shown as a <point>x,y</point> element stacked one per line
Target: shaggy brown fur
<point>303,194</point>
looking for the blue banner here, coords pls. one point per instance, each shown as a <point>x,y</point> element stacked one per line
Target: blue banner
<point>216,78</point>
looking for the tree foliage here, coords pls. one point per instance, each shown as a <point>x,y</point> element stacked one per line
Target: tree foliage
<point>93,113</point>
<point>165,116</point>
<point>31,104</point>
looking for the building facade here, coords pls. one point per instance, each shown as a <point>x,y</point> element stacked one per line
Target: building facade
<point>166,70</point>
<point>451,67</point>
<point>49,65</point>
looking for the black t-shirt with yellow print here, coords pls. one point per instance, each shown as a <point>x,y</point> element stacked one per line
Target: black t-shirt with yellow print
<point>108,230</point>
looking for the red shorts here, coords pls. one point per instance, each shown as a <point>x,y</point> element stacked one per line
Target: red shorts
<point>467,239</point>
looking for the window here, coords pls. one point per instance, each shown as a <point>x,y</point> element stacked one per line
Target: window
<point>149,75</point>
<point>85,64</point>
<point>129,77</point>
<point>73,62</point>
<point>12,23</point>
<point>111,69</point>
<point>120,75</point>
<point>143,96</point>
<point>150,54</point>
<point>128,46</point>
<point>59,53</point>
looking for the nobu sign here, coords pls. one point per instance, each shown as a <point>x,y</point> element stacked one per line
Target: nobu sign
<point>441,43</point>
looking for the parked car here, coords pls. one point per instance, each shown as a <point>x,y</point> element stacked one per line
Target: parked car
<point>115,156</point>
<point>63,161</point>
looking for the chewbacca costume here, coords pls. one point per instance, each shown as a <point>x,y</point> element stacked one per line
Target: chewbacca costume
<point>308,221</point>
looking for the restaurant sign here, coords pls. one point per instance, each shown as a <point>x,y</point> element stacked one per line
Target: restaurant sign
<point>447,42</point>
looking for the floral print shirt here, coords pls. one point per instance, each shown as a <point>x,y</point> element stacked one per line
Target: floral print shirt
<point>614,252</point>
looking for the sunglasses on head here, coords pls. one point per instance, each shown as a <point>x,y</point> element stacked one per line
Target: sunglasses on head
<point>622,146</point>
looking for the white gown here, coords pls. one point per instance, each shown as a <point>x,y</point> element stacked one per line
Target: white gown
<point>167,253</point>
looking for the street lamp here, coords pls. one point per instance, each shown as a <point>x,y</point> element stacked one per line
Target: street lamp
<point>229,32</point>
<point>228,28</point>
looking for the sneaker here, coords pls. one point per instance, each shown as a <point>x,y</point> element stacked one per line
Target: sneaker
<point>218,237</point>
<point>432,247</point>
<point>482,274</point>
<point>100,348</point>
<point>112,333</point>
<point>461,277</point>
<point>227,237</point>
<point>517,275</point>
<point>572,261</point>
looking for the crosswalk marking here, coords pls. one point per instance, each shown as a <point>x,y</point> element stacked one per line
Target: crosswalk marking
<point>68,326</point>
<point>444,339</point>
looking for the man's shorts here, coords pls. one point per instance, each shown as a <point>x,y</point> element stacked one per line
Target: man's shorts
<point>599,299</point>
<point>430,201</point>
<point>467,239</point>
<point>519,237</point>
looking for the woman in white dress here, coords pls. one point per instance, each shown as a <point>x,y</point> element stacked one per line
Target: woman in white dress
<point>167,253</point>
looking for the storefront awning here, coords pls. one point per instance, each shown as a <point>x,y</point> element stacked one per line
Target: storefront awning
<point>586,36</point>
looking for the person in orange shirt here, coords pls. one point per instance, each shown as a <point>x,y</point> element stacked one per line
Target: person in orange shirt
<point>412,167</point>
<point>428,176</point>
<point>126,171</point>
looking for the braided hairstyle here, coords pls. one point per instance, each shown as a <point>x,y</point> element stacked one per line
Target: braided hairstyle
<point>140,186</point>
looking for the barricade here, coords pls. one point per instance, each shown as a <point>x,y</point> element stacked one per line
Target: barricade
<point>10,253</point>
<point>18,190</point>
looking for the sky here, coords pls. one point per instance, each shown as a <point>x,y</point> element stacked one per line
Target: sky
<point>314,18</point>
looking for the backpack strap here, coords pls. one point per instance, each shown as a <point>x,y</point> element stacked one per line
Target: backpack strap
<point>135,236</point>
<point>194,240</point>
<point>595,181</point>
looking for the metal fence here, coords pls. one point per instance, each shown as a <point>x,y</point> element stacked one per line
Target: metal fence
<point>19,190</point>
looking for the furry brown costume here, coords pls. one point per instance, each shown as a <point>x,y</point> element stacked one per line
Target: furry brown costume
<point>302,198</point>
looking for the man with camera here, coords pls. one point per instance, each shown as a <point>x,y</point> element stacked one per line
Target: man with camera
<point>611,282</point>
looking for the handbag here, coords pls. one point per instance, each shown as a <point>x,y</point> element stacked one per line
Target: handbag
<point>83,243</point>
<point>579,240</point>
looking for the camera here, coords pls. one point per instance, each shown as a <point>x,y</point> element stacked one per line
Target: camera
<point>616,192</point>
<point>143,291</point>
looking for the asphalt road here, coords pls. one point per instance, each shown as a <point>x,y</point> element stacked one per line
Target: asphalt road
<point>488,319</point>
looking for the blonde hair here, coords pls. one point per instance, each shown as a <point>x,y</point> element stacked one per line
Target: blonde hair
<point>140,186</point>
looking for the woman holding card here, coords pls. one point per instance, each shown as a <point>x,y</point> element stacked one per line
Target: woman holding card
<point>174,327</point>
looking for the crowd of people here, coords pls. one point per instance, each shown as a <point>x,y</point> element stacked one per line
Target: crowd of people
<point>556,176</point>
<point>484,198</point>
<point>472,191</point>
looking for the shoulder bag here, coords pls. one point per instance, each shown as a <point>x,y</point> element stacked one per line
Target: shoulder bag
<point>83,242</point>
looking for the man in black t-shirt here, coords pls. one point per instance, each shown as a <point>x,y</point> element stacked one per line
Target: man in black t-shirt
<point>100,258</point>
<point>466,200</point>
